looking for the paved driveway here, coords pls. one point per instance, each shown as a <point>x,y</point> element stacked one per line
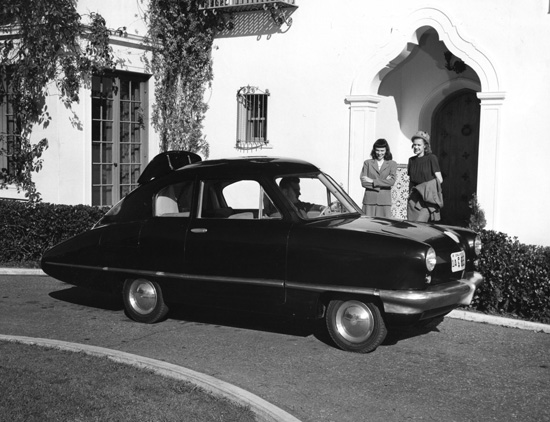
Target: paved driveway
<point>459,371</point>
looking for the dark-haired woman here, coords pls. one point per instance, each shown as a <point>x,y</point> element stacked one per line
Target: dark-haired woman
<point>377,177</point>
<point>425,198</point>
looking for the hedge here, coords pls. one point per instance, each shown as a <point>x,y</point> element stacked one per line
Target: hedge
<point>27,230</point>
<point>517,276</point>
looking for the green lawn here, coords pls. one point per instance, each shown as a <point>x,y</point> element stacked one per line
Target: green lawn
<point>48,384</point>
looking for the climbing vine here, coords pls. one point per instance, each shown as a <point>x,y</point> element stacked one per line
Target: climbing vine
<point>181,37</point>
<point>44,44</point>
<point>47,44</point>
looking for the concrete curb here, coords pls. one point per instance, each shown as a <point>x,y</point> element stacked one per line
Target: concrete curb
<point>21,271</point>
<point>496,320</point>
<point>264,411</point>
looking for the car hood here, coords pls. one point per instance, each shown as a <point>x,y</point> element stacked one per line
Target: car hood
<point>389,242</point>
<point>421,232</point>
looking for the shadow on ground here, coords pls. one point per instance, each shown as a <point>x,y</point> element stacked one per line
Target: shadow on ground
<point>235,318</point>
<point>89,298</point>
<point>397,334</point>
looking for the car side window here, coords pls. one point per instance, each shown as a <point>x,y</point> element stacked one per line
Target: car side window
<point>311,196</point>
<point>174,200</point>
<point>235,199</point>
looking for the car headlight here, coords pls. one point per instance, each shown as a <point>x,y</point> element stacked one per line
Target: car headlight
<point>431,259</point>
<point>477,245</point>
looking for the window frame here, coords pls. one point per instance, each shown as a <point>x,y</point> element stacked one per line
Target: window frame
<point>101,185</point>
<point>227,211</point>
<point>252,118</point>
<point>10,130</point>
<point>177,195</point>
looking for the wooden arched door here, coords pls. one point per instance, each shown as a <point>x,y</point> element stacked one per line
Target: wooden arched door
<point>455,141</point>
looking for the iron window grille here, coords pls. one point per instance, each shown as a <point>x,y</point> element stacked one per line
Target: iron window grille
<point>252,118</point>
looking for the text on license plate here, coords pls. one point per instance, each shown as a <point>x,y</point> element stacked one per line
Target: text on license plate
<point>458,261</point>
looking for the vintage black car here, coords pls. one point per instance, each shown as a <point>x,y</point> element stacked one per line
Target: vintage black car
<point>268,235</point>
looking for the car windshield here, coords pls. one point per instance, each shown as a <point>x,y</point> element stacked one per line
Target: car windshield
<point>316,195</point>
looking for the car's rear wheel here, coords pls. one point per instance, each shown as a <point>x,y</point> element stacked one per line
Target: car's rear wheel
<point>355,326</point>
<point>143,301</point>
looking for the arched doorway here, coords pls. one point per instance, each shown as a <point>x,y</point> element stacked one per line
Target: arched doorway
<point>365,101</point>
<point>455,141</point>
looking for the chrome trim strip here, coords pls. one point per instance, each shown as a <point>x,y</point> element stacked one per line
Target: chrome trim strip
<point>190,277</point>
<point>333,288</point>
<point>473,282</point>
<point>407,302</point>
<point>458,292</point>
<point>404,302</point>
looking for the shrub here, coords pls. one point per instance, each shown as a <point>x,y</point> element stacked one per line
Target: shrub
<point>27,230</point>
<point>517,278</point>
<point>477,216</point>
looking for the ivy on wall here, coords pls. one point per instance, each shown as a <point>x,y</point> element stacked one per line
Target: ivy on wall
<point>181,37</point>
<point>44,42</point>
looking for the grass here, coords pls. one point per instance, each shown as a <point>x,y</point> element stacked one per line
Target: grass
<point>48,384</point>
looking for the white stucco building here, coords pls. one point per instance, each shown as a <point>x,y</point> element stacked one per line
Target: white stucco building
<point>330,78</point>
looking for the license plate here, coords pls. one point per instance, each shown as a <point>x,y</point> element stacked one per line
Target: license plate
<point>458,261</point>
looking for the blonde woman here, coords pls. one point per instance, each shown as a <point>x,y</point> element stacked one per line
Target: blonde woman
<point>425,199</point>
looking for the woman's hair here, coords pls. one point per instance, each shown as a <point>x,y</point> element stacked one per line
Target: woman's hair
<point>381,143</point>
<point>426,138</point>
<point>428,149</point>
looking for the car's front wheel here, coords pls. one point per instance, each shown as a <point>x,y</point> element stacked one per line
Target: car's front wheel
<point>143,301</point>
<point>355,326</point>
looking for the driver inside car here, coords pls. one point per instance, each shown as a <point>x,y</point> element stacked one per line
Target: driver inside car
<point>290,186</point>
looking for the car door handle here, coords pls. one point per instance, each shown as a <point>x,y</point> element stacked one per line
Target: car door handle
<point>199,230</point>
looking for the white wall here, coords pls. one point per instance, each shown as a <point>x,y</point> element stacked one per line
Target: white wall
<point>67,169</point>
<point>117,14</point>
<point>312,67</point>
<point>326,55</point>
<point>63,176</point>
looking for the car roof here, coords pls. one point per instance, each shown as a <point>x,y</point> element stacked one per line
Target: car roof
<point>165,163</point>
<point>271,166</point>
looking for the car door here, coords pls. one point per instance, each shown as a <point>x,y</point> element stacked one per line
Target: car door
<point>162,237</point>
<point>236,244</point>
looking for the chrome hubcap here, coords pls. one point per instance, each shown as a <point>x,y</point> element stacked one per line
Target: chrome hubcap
<point>143,296</point>
<point>354,321</point>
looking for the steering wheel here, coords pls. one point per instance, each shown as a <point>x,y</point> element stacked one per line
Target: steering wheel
<point>325,211</point>
<point>335,205</point>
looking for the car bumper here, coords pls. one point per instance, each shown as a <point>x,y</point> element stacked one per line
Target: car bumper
<point>445,296</point>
